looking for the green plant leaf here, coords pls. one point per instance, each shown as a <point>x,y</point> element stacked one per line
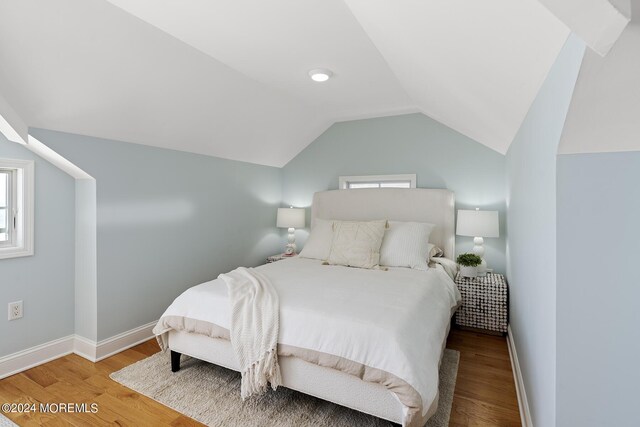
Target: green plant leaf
<point>469,260</point>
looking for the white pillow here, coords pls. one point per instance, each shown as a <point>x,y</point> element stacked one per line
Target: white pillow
<point>406,244</point>
<point>357,243</point>
<point>318,244</point>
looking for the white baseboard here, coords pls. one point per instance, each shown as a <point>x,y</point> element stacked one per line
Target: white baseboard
<point>523,403</point>
<point>117,343</point>
<point>34,356</point>
<point>96,351</point>
<point>83,347</point>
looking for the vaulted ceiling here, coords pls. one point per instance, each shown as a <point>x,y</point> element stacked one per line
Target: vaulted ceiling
<point>605,109</point>
<point>230,78</point>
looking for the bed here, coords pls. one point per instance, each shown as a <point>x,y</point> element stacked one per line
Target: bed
<point>371,340</point>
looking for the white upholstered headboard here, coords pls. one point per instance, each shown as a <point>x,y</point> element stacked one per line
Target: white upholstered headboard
<point>398,204</point>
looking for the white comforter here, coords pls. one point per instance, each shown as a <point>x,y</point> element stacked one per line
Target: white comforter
<point>394,320</point>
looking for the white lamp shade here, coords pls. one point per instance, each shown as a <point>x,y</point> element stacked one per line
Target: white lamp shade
<point>290,218</point>
<point>478,223</point>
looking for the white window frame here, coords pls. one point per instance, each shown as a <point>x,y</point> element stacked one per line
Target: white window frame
<point>21,219</point>
<point>345,181</point>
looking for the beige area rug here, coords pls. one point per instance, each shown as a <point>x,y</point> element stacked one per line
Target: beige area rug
<point>6,422</point>
<point>211,394</point>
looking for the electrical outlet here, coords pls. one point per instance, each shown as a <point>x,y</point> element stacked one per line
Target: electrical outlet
<point>15,310</point>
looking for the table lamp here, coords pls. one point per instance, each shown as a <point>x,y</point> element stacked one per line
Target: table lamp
<point>290,218</point>
<point>478,224</point>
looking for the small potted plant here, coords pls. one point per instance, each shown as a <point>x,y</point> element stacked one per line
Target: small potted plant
<point>469,264</point>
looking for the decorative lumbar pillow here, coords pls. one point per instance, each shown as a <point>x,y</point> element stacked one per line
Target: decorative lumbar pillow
<point>406,244</point>
<point>357,243</point>
<point>318,244</point>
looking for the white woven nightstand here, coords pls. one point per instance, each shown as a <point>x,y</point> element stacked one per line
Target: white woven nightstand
<point>279,257</point>
<point>485,303</point>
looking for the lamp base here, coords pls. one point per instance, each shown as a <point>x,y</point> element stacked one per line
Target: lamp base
<point>290,249</point>
<point>482,268</point>
<point>478,249</point>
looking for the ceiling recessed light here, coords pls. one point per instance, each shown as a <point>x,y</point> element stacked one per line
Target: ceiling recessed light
<point>320,74</point>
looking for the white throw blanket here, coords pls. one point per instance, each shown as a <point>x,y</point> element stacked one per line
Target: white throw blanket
<point>254,328</point>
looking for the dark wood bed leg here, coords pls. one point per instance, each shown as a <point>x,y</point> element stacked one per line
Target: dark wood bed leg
<point>175,361</point>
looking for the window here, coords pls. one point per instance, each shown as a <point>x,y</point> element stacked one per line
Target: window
<point>16,208</point>
<point>5,206</point>
<point>378,181</point>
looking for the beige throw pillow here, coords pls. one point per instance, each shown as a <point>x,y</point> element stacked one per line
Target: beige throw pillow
<point>357,243</point>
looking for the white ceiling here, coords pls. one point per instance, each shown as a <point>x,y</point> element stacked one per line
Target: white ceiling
<point>598,22</point>
<point>11,125</point>
<point>87,67</point>
<point>475,66</point>
<point>604,115</point>
<point>229,78</point>
<point>277,42</point>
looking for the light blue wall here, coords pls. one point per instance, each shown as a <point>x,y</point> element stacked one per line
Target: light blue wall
<point>413,143</point>
<point>45,281</point>
<point>598,292</point>
<point>531,227</point>
<point>168,220</point>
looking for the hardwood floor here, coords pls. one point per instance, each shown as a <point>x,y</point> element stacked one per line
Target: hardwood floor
<point>485,392</point>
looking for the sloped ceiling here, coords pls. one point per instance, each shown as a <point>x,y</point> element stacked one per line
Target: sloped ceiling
<point>598,22</point>
<point>277,42</point>
<point>229,78</point>
<point>604,115</point>
<point>11,124</point>
<point>87,67</point>
<point>475,66</point>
